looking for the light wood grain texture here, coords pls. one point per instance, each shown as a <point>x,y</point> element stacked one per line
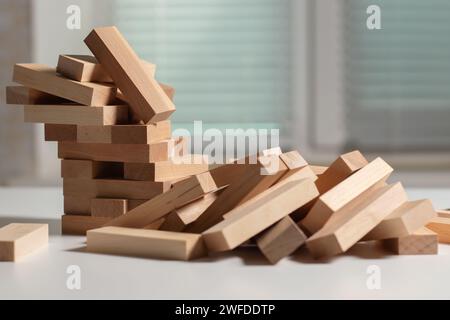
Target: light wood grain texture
<point>180,218</point>
<point>79,225</point>
<point>280,240</point>
<point>93,134</point>
<point>406,219</point>
<point>24,95</point>
<point>146,243</point>
<point>113,188</point>
<point>141,134</point>
<point>146,97</point>
<point>44,78</point>
<point>256,179</point>
<point>443,213</point>
<point>74,114</point>
<point>441,226</point>
<point>77,205</point>
<point>168,90</point>
<point>181,194</point>
<point>86,68</point>
<point>144,153</point>
<point>350,224</point>
<point>344,192</point>
<point>71,168</point>
<point>318,170</point>
<point>259,213</point>
<point>167,170</point>
<point>422,241</point>
<point>105,207</point>
<point>293,161</point>
<point>18,240</point>
<point>60,132</point>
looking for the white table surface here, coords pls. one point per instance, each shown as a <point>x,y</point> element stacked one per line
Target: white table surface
<point>242,274</point>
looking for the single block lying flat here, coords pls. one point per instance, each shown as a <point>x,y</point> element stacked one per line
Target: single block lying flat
<point>79,225</point>
<point>259,213</point>
<point>88,169</point>
<point>350,224</point>
<point>20,239</point>
<point>422,241</point>
<point>145,243</point>
<point>24,95</point>
<point>105,207</point>
<point>441,226</point>
<point>60,132</point>
<point>146,97</point>
<point>45,78</point>
<point>77,205</point>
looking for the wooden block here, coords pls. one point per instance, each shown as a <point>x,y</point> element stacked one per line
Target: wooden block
<point>350,224</point>
<point>18,240</point>
<point>60,132</point>
<point>443,213</point>
<point>255,180</point>
<point>167,170</point>
<point>406,219</point>
<point>113,188</point>
<point>180,218</point>
<point>133,203</point>
<point>344,192</point>
<point>79,225</point>
<point>90,169</point>
<point>86,68</point>
<point>141,134</point>
<point>74,114</point>
<point>168,90</point>
<point>181,194</point>
<point>24,95</point>
<point>422,241</point>
<point>441,226</point>
<point>44,78</point>
<point>293,161</point>
<point>144,153</point>
<point>104,207</point>
<point>155,225</point>
<point>93,134</point>
<point>145,96</point>
<point>318,170</point>
<point>146,243</point>
<point>259,213</point>
<point>280,240</point>
<point>77,205</point>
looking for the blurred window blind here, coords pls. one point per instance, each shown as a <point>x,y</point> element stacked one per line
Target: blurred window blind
<point>227,59</point>
<point>397,79</point>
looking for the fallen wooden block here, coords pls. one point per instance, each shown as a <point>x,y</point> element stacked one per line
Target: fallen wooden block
<point>422,241</point>
<point>18,240</point>
<point>370,176</point>
<point>181,194</point>
<point>86,68</point>
<point>75,114</point>
<point>442,227</point>
<point>79,225</point>
<point>44,78</point>
<point>60,132</point>
<point>24,95</point>
<point>443,213</point>
<point>146,243</point>
<point>280,240</point>
<point>259,213</point>
<point>104,207</point>
<point>293,161</point>
<point>145,96</point>
<point>403,221</point>
<point>350,224</point>
<point>113,188</point>
<point>144,153</point>
<point>77,205</point>
<point>88,169</point>
<point>180,218</point>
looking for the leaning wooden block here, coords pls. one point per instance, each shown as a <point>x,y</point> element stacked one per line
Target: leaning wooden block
<point>259,213</point>
<point>60,132</point>
<point>422,241</point>
<point>79,225</point>
<point>105,207</point>
<point>181,194</point>
<point>168,90</point>
<point>280,240</point>
<point>74,114</point>
<point>18,240</point>
<point>442,227</point>
<point>146,243</point>
<point>113,188</point>
<point>143,153</point>
<point>402,222</point>
<point>372,175</point>
<point>350,224</point>
<point>72,168</point>
<point>146,97</point>
<point>45,78</point>
<point>24,95</point>
<point>77,205</point>
<point>86,68</point>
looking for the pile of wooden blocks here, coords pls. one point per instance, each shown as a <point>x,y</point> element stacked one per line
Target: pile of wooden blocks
<point>123,187</point>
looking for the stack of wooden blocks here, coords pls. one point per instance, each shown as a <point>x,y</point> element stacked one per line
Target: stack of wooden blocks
<point>123,187</point>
